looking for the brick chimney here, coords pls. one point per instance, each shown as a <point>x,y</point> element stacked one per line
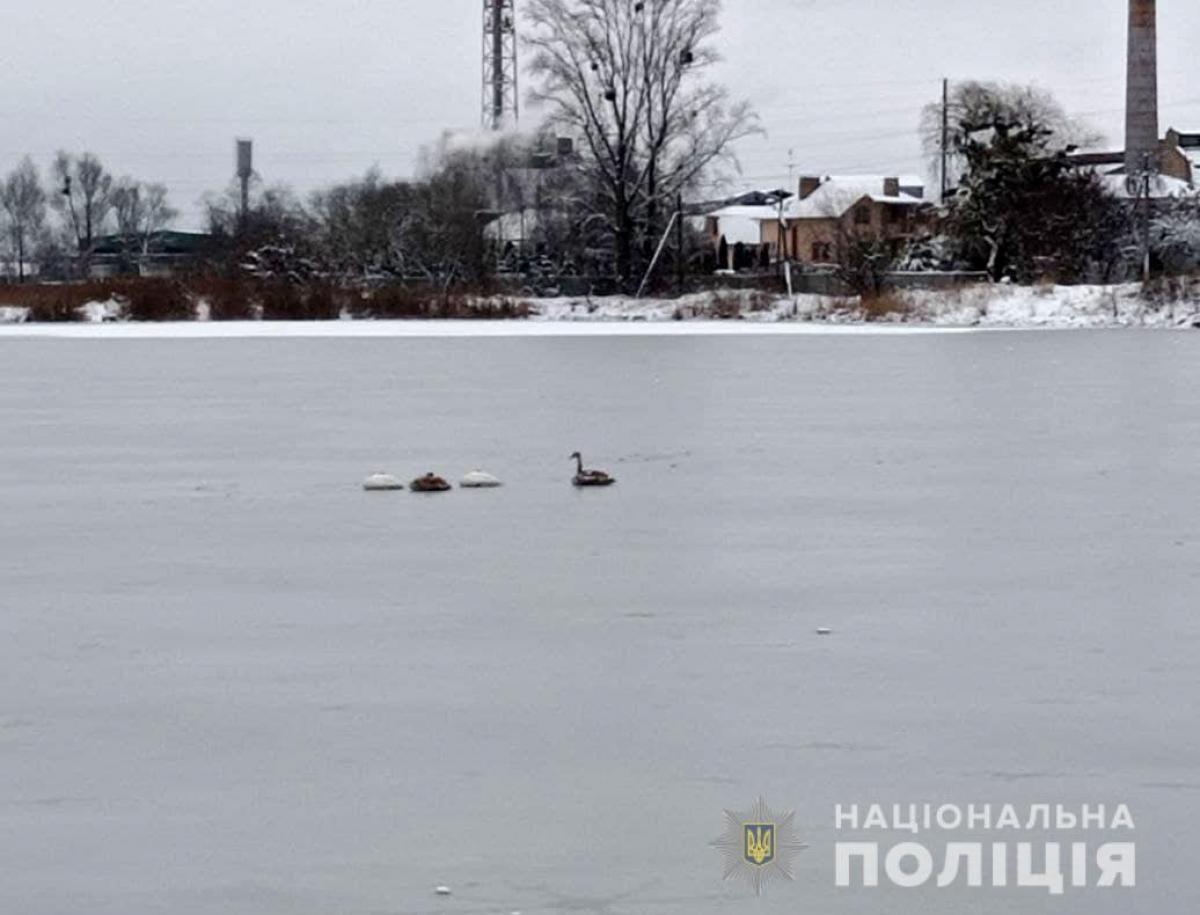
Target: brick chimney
<point>1141,102</point>
<point>808,185</point>
<point>891,187</point>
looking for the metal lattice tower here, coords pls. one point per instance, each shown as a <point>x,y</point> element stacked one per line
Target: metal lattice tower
<point>500,105</point>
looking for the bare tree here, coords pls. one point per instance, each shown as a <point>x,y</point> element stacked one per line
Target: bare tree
<point>538,201</point>
<point>141,210</point>
<point>688,126</point>
<point>24,204</point>
<point>441,236</point>
<point>360,226</point>
<point>127,206</point>
<point>276,237</point>
<point>974,104</point>
<point>85,196</point>
<point>626,77</point>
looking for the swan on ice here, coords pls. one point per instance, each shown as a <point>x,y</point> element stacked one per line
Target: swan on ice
<point>382,482</point>
<point>477,479</point>
<point>589,477</point>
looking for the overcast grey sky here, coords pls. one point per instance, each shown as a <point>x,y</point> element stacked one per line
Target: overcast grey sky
<point>326,89</point>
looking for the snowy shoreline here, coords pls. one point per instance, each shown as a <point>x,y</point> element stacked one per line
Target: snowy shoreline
<point>531,327</point>
<point>723,312</point>
<point>976,307</point>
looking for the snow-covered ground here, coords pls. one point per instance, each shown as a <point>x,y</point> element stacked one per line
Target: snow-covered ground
<point>1049,306</point>
<point>719,312</point>
<point>452,328</point>
<point>970,306</point>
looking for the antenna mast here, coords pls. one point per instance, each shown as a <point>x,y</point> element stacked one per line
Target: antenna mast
<point>500,105</point>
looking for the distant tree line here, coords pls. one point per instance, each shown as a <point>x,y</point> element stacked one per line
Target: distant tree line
<point>445,227</point>
<point>632,126</point>
<point>623,83</point>
<point>55,222</point>
<point>1021,209</point>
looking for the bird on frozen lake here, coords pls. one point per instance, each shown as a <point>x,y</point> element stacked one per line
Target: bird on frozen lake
<point>430,483</point>
<point>589,477</point>
<point>477,479</point>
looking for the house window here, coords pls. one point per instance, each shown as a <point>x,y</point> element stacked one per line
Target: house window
<point>862,215</point>
<point>822,252</point>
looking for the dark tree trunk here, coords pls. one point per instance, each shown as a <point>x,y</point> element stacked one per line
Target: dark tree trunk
<point>623,238</point>
<point>624,251</point>
<point>651,239</point>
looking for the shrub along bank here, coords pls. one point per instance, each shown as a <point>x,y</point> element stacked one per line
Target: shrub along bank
<point>246,299</point>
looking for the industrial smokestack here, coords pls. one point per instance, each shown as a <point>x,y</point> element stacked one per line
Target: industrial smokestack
<point>1141,102</point>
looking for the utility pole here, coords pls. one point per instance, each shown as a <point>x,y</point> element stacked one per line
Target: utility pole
<point>681,266</point>
<point>666,237</point>
<point>945,138</point>
<point>784,252</point>
<point>1144,193</point>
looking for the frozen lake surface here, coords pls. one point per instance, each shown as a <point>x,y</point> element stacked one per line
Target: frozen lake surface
<point>235,683</point>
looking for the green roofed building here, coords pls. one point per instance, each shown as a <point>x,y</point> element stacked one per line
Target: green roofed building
<point>158,254</point>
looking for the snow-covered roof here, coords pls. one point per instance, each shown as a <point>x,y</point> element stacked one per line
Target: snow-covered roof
<point>742,224</point>
<point>837,194</point>
<point>901,199</point>
<point>744,212</point>
<point>1162,187</point>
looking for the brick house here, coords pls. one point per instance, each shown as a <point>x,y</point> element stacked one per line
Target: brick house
<point>1185,146</point>
<point>829,211</point>
<point>1178,159</point>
